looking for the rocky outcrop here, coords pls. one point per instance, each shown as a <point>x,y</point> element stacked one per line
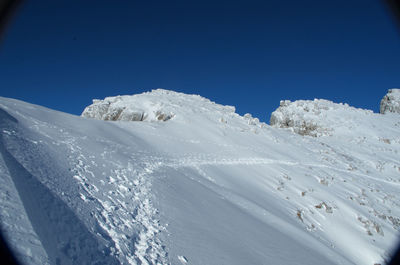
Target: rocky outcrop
<point>160,105</point>
<point>126,108</point>
<point>391,102</point>
<point>316,117</point>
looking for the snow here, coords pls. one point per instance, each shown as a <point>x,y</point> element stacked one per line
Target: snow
<point>206,186</point>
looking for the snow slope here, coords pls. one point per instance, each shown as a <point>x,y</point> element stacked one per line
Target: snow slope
<point>206,186</point>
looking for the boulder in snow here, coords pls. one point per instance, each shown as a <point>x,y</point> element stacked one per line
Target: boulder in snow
<point>391,101</point>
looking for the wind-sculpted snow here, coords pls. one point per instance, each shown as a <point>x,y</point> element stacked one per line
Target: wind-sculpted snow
<point>208,186</point>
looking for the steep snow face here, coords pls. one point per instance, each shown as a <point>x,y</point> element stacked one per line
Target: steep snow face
<point>391,102</point>
<point>208,186</point>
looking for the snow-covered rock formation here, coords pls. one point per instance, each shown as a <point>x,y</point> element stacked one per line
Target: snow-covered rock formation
<point>208,186</point>
<point>391,101</point>
<point>317,117</point>
<point>153,106</point>
<point>157,105</point>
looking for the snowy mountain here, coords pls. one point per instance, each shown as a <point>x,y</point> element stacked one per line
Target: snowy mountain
<point>169,178</point>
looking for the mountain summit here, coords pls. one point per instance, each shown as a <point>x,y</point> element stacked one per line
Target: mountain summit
<point>168,178</point>
<point>157,105</point>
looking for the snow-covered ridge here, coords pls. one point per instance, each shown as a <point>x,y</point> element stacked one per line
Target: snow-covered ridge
<point>157,105</point>
<point>391,102</point>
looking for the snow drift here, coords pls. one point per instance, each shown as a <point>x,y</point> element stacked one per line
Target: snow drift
<point>207,186</point>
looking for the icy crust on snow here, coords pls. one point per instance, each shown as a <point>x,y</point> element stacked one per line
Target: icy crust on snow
<point>157,105</point>
<point>391,102</point>
<point>317,117</point>
<point>207,187</point>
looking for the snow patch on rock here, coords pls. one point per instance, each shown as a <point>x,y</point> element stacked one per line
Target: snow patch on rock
<point>391,101</point>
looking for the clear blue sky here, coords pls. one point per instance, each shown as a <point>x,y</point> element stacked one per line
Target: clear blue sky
<point>250,54</point>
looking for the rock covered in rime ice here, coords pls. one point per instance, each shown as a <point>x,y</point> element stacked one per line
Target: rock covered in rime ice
<point>391,101</point>
<point>250,119</point>
<point>316,117</point>
<point>157,105</point>
<point>127,108</point>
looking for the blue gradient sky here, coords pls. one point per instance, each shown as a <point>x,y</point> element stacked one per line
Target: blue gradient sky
<point>250,54</point>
